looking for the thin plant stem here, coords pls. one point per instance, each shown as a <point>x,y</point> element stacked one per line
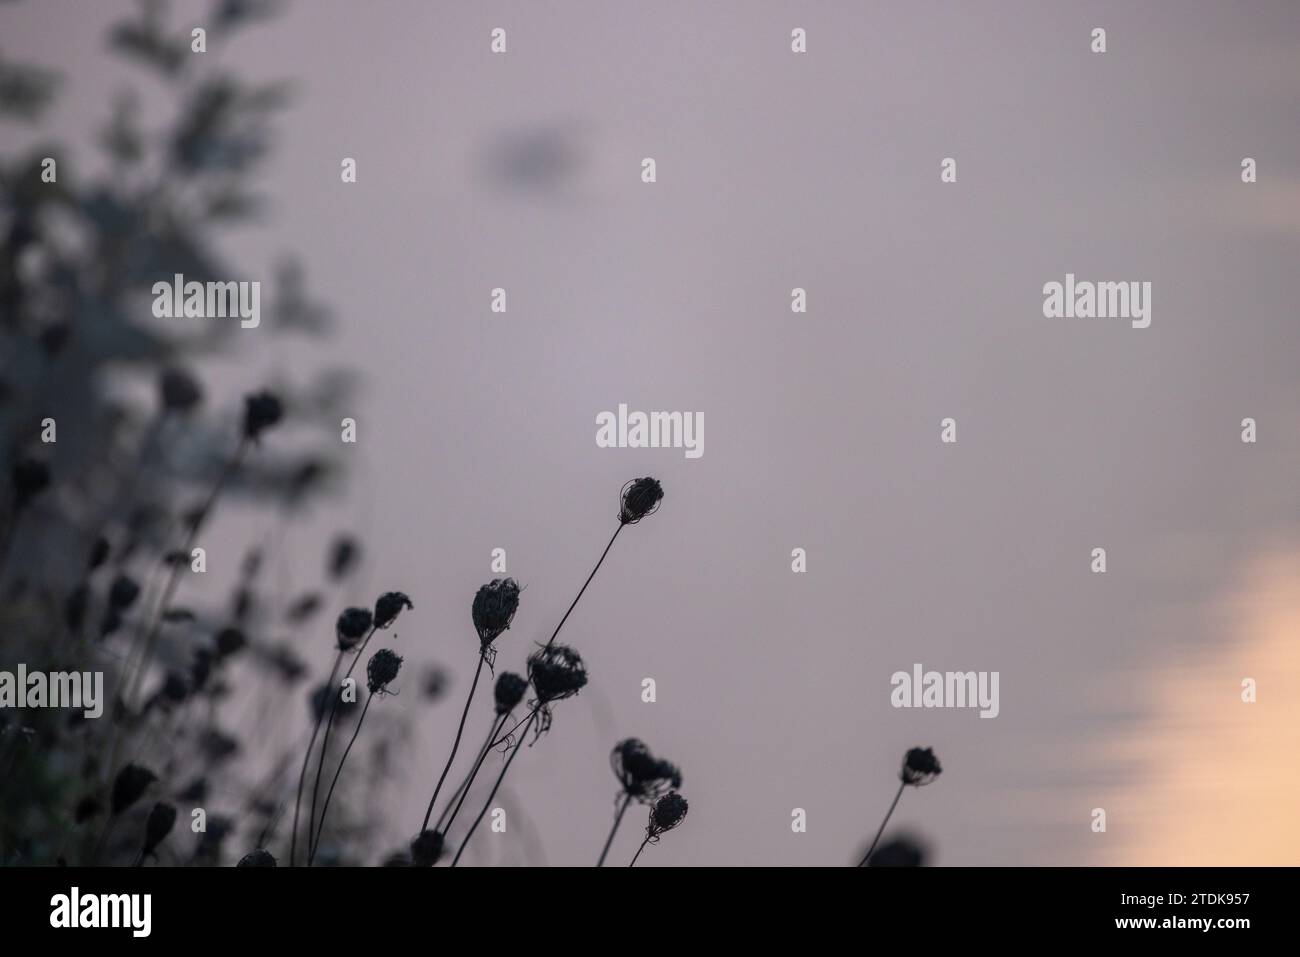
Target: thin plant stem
<point>460,729</point>
<point>639,850</point>
<point>174,578</point>
<point>320,829</point>
<point>533,715</point>
<point>500,777</point>
<point>509,735</point>
<point>618,819</point>
<point>306,762</point>
<point>448,816</point>
<point>872,848</point>
<point>599,562</point>
<point>325,744</point>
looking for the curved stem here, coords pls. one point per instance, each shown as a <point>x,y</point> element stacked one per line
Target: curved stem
<point>320,764</point>
<point>639,850</point>
<point>585,584</point>
<point>448,816</point>
<point>888,813</point>
<point>500,777</point>
<point>147,638</point>
<point>132,688</point>
<point>320,829</point>
<point>618,819</point>
<point>533,716</point>
<point>306,761</point>
<point>482,656</point>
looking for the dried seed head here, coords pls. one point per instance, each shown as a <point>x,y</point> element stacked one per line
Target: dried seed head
<point>381,669</point>
<point>200,669</point>
<point>54,338</point>
<point>389,606</point>
<point>75,607</point>
<point>131,782</point>
<point>160,823</point>
<point>352,626</point>
<point>196,791</point>
<point>426,849</point>
<point>87,808</point>
<point>509,691</point>
<point>174,688</point>
<point>343,556</point>
<point>98,554</point>
<point>229,641</point>
<point>287,664</point>
<point>435,683</point>
<point>639,498</point>
<point>920,767</point>
<point>261,411</point>
<point>642,775</point>
<point>257,858</point>
<point>322,701</point>
<point>30,478</point>
<point>669,811</point>
<point>494,608</point>
<point>900,851</point>
<point>178,390</point>
<point>303,608</point>
<point>123,593</point>
<point>556,673</point>
<point>217,746</point>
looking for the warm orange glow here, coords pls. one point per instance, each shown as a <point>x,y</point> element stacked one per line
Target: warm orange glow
<point>1217,781</point>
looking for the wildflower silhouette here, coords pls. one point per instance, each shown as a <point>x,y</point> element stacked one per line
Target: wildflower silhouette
<point>28,479</point>
<point>556,672</point>
<point>381,671</point>
<point>353,625</point>
<point>262,411</point>
<point>493,610</point>
<point>509,691</point>
<point>257,858</point>
<point>642,777</point>
<point>354,629</point>
<point>72,336</point>
<point>669,811</point>
<point>426,849</point>
<point>128,787</point>
<point>920,767</point>
<point>159,824</point>
<point>902,850</point>
<point>637,499</point>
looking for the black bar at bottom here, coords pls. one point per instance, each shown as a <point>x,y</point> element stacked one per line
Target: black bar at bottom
<point>380,906</point>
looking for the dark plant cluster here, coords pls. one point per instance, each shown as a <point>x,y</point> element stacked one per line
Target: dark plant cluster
<point>116,461</point>
<point>554,672</point>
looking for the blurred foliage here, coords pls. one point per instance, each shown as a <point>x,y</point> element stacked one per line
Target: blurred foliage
<point>78,258</point>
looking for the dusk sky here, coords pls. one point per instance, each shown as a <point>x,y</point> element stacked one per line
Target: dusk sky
<point>820,170</point>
